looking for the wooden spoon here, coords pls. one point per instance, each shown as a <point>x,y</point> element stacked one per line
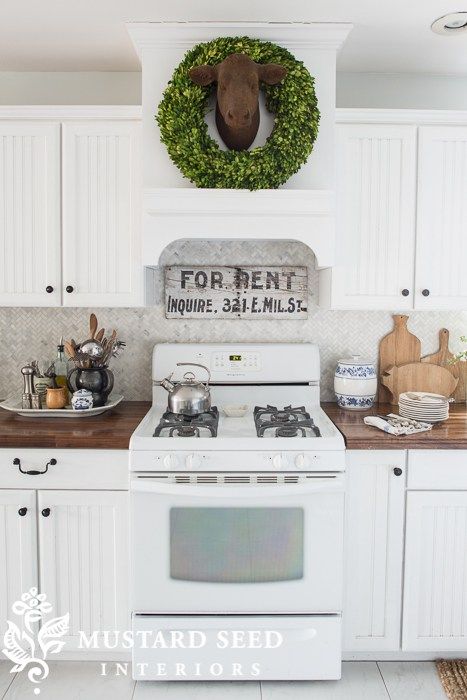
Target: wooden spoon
<point>70,350</point>
<point>93,325</point>
<point>100,335</point>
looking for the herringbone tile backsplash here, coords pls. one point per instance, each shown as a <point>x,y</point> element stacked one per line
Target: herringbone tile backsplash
<point>33,333</point>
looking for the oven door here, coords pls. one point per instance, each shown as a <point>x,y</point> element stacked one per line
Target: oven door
<point>201,548</point>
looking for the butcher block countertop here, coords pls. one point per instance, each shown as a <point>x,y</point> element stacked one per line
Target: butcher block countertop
<point>109,431</point>
<point>449,435</point>
<point>112,431</point>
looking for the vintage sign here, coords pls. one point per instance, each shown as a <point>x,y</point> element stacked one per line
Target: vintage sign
<point>236,292</point>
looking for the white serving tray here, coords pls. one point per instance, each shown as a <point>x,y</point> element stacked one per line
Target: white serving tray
<point>67,412</point>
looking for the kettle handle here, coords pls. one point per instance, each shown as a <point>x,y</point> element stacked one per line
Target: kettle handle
<point>195,364</point>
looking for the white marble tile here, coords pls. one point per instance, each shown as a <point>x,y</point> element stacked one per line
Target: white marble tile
<point>361,680</point>
<point>6,678</point>
<point>412,680</point>
<point>73,680</point>
<point>147,690</point>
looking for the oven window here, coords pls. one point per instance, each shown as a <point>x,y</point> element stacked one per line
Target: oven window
<point>236,545</point>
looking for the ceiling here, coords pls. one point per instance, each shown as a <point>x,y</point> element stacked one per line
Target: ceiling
<point>89,35</point>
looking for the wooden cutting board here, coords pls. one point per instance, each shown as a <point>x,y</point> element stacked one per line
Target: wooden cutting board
<point>442,357</point>
<point>418,376</point>
<point>399,347</point>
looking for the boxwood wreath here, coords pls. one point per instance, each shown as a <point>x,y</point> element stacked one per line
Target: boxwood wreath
<point>185,133</point>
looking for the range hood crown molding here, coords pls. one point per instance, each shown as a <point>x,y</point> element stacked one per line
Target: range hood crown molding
<point>323,35</point>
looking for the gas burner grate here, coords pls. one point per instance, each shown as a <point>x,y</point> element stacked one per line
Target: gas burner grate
<point>271,421</point>
<point>176,425</point>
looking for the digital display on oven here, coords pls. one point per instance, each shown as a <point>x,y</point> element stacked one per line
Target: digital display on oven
<point>235,358</point>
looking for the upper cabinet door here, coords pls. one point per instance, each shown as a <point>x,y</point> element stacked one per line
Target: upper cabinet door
<point>375,217</point>
<point>29,213</point>
<point>101,214</point>
<point>441,279</point>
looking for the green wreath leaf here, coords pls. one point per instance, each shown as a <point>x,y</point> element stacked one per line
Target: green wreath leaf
<point>185,134</point>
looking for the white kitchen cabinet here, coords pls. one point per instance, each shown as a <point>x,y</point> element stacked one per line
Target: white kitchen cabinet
<point>84,568</point>
<point>30,213</point>
<point>441,280</point>
<point>101,213</point>
<point>376,195</point>
<point>18,550</point>
<point>374,550</point>
<point>435,580</point>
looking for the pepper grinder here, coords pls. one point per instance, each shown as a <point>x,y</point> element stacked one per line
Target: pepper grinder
<point>28,385</point>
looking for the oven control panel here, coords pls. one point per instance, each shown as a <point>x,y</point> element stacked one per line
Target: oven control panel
<point>240,362</point>
<point>287,461</point>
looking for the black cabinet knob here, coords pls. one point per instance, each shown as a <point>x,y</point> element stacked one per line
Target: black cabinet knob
<point>69,289</point>
<point>49,289</point>
<point>426,292</point>
<point>405,292</point>
<point>46,512</point>
<point>22,511</point>
<point>397,471</point>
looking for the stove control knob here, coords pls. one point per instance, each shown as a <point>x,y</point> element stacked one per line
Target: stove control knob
<point>277,461</point>
<point>193,461</point>
<point>170,461</point>
<point>302,461</point>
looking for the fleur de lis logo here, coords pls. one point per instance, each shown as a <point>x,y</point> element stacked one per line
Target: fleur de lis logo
<point>24,646</point>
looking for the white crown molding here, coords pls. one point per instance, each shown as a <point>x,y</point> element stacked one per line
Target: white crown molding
<point>64,112</point>
<point>184,35</point>
<point>171,214</point>
<point>400,116</point>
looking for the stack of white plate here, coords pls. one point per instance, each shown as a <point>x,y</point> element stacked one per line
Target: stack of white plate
<point>423,406</point>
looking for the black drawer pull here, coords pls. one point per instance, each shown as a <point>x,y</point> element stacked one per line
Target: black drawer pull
<point>405,292</point>
<point>22,511</point>
<point>426,292</point>
<point>397,471</point>
<point>34,472</point>
<point>49,289</point>
<point>46,512</point>
<point>69,289</point>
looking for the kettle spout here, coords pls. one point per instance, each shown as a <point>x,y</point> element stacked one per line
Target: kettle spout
<point>168,385</point>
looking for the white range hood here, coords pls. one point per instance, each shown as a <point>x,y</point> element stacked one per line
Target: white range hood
<point>174,209</point>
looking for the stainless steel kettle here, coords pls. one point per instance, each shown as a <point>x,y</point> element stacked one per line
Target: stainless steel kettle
<point>189,397</point>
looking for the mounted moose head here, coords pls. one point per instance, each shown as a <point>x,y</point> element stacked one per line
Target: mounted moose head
<point>237,107</point>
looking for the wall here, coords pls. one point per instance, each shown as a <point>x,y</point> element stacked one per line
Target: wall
<point>353,89</point>
<point>31,333</point>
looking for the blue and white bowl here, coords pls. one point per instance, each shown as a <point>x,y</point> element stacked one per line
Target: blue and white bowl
<point>355,383</point>
<point>82,400</point>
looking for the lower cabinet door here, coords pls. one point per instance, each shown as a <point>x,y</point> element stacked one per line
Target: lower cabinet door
<point>374,548</point>
<point>435,582</point>
<point>18,551</point>
<point>83,540</point>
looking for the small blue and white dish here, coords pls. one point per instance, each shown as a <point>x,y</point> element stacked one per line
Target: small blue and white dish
<point>82,400</point>
<point>355,383</point>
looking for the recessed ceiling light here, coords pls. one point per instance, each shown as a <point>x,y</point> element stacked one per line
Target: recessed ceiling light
<point>454,23</point>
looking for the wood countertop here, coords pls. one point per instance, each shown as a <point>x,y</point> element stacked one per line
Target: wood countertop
<point>449,435</point>
<point>109,431</point>
<point>112,430</point>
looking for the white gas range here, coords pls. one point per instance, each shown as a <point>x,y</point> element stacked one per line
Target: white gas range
<point>237,522</point>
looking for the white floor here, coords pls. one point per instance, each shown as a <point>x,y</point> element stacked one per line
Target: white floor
<point>362,680</point>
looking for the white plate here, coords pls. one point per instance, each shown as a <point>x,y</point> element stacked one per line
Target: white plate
<point>67,412</point>
<point>430,400</point>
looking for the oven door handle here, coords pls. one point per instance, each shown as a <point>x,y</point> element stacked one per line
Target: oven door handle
<point>333,484</point>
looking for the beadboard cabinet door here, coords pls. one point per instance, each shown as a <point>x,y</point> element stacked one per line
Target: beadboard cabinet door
<point>435,580</point>
<point>441,277</point>
<point>374,550</point>
<point>101,213</point>
<point>18,550</point>
<point>30,213</point>
<point>376,188</point>
<point>83,543</point>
